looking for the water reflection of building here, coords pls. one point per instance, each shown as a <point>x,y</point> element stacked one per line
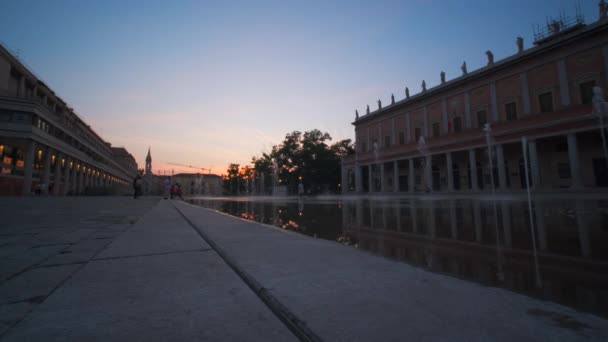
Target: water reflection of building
<point>45,146</point>
<point>543,93</point>
<point>465,239</point>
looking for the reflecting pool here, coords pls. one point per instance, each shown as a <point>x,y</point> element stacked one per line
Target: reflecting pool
<point>558,252</point>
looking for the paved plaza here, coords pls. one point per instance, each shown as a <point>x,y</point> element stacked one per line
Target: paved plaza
<point>101,268</point>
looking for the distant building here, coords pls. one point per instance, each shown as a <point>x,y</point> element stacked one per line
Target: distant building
<point>153,184</point>
<point>435,140</point>
<point>198,184</point>
<point>46,147</point>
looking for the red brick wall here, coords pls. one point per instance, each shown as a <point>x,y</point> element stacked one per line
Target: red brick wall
<point>541,78</point>
<point>508,90</point>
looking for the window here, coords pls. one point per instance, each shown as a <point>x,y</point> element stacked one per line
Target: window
<point>511,110</point>
<point>387,141</point>
<point>481,118</point>
<point>401,138</point>
<point>586,90</point>
<point>457,124</point>
<point>563,169</point>
<point>417,133</point>
<point>436,131</point>
<point>545,102</point>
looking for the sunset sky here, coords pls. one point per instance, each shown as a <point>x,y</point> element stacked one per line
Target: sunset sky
<point>210,83</point>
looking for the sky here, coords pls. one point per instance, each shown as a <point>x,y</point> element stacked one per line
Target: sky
<point>208,83</point>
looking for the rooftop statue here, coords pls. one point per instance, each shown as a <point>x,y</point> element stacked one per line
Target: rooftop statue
<point>442,75</point>
<point>392,98</point>
<point>356,114</point>
<point>407,93</point>
<point>490,57</point>
<point>367,112</point>
<point>463,67</point>
<point>423,86</point>
<point>379,104</point>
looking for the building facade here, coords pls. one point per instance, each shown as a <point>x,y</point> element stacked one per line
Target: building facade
<point>45,147</point>
<point>198,184</point>
<point>467,133</point>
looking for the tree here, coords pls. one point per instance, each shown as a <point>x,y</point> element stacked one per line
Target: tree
<point>232,179</point>
<point>301,157</point>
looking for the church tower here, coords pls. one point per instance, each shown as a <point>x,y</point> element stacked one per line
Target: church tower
<point>148,164</point>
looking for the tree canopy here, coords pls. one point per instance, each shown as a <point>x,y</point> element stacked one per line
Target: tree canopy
<point>306,158</point>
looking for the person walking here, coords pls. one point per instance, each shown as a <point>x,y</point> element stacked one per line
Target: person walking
<point>167,187</point>
<point>137,183</point>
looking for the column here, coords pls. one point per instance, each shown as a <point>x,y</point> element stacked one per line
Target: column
<point>432,221</point>
<point>500,164</point>
<point>539,213</point>
<point>477,221</point>
<point>449,171</point>
<point>66,176</point>
<point>582,224</point>
<point>575,166</point>
<point>358,180</point>
<point>396,176</point>
<point>506,222</point>
<point>80,183</point>
<point>428,172</point>
<point>525,93</point>
<point>534,167</point>
<point>414,211</point>
<point>473,168</point>
<point>453,220</point>
<point>467,110</point>
<point>57,178</point>
<point>382,186</point>
<point>411,178</point>
<point>46,177</point>
<point>78,174</point>
<point>563,82</point>
<point>28,167</point>
<point>370,178</point>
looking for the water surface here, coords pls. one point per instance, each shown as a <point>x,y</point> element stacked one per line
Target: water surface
<point>558,252</point>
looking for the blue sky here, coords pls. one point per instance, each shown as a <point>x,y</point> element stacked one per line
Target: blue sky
<point>209,83</point>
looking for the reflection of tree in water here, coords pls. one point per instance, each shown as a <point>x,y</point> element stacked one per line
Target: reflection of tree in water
<point>348,240</point>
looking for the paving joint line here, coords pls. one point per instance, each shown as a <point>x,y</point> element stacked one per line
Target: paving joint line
<point>60,284</point>
<point>297,326</point>
<point>153,254</point>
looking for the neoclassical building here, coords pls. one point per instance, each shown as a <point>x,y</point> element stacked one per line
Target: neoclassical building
<point>435,140</point>
<point>45,147</point>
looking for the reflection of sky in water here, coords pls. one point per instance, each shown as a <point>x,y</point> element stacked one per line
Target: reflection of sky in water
<point>567,263</point>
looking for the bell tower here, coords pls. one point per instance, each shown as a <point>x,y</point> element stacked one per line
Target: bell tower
<point>149,163</point>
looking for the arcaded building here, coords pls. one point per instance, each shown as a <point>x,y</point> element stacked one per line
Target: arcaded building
<point>435,140</point>
<point>46,148</point>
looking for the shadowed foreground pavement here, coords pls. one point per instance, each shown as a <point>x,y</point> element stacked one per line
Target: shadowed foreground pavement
<point>119,269</point>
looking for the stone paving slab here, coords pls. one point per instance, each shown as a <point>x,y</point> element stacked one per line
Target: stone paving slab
<point>344,294</point>
<point>189,296</point>
<point>99,277</point>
